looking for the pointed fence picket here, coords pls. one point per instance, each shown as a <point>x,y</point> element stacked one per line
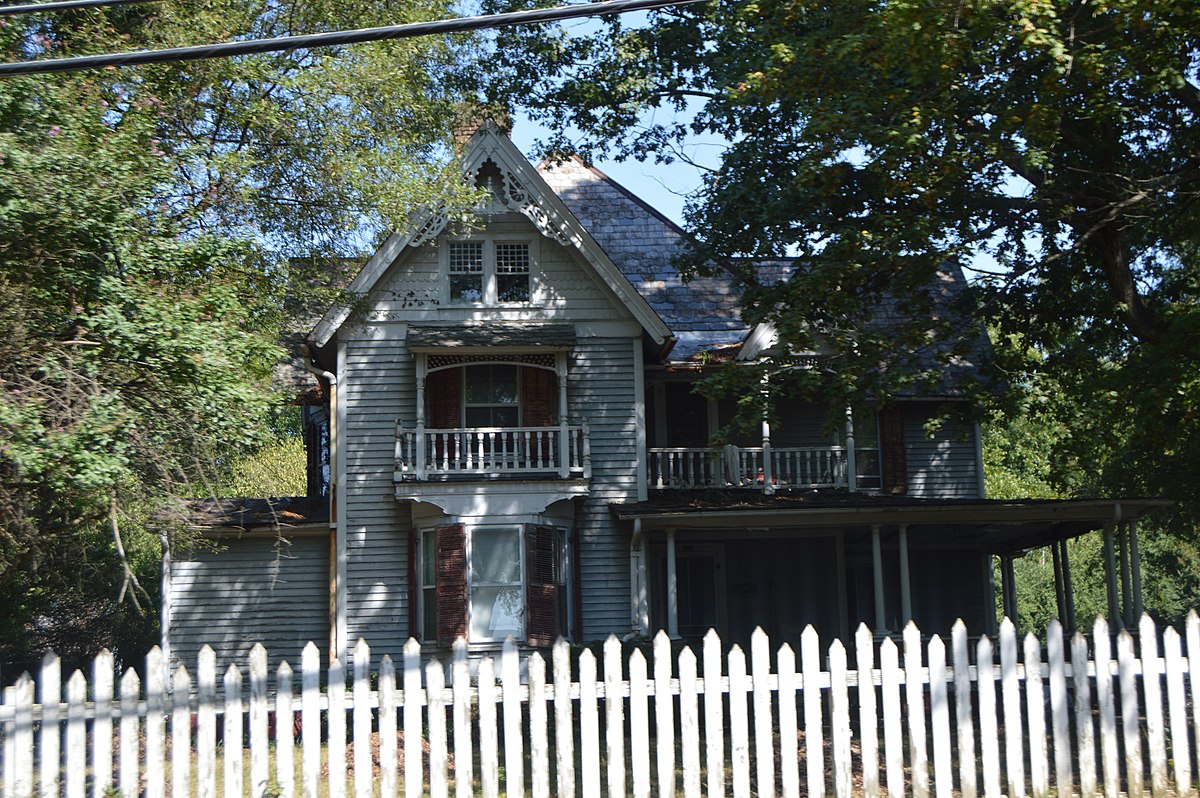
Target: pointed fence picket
<point>938,722</point>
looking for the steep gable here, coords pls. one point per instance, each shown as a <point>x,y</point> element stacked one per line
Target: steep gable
<point>517,191</point>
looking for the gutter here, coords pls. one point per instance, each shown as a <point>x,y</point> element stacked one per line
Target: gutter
<point>335,588</point>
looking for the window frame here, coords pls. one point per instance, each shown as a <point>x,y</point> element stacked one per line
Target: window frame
<point>490,276</point>
<point>426,547</point>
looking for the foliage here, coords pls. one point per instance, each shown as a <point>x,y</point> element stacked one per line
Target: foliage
<point>876,142</point>
<point>277,469</point>
<point>149,223</point>
<point>1020,454</point>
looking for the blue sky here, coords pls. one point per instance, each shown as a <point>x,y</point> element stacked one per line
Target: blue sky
<point>663,186</point>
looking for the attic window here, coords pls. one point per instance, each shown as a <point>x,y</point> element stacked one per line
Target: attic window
<point>466,271</point>
<point>512,272</point>
<point>489,272</point>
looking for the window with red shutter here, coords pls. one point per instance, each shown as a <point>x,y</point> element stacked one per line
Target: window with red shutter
<point>450,566</point>
<point>491,582</point>
<point>893,457</point>
<point>542,585</point>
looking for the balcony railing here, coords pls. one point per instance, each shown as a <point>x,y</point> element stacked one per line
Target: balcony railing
<point>564,450</point>
<point>764,468</point>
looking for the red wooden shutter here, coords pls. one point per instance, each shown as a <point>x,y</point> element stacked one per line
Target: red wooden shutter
<point>538,403</point>
<point>443,390</point>
<point>538,396</point>
<point>892,457</point>
<point>414,627</point>
<point>541,592</point>
<point>451,572</point>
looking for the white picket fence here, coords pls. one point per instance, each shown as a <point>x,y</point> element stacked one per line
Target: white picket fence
<point>1073,721</point>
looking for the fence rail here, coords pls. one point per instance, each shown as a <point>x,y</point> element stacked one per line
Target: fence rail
<point>931,722</point>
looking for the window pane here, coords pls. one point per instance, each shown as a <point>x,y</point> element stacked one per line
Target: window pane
<point>466,287</point>
<point>512,287</point>
<point>466,257</point>
<point>428,556</point>
<point>492,385</point>
<point>429,613</point>
<point>495,556</point>
<point>495,613</point>
<point>512,259</point>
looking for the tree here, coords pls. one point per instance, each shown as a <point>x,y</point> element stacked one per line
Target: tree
<point>149,223</point>
<point>873,142</point>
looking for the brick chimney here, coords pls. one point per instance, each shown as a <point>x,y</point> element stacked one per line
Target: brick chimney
<point>470,115</point>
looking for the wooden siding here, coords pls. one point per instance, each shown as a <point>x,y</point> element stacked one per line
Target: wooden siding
<point>378,385</point>
<point>269,589</point>
<point>602,389</point>
<point>942,466</point>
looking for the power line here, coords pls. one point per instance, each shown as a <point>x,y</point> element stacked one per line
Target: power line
<point>64,5</point>
<point>284,43</point>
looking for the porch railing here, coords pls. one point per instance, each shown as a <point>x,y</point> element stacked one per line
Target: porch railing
<point>763,467</point>
<point>564,450</point>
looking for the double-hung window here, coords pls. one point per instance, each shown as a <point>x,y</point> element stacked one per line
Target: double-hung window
<point>493,581</point>
<point>489,272</point>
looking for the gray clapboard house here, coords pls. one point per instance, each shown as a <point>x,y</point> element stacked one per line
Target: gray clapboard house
<point>514,449</point>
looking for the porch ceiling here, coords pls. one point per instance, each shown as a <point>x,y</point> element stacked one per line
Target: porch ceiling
<point>997,525</point>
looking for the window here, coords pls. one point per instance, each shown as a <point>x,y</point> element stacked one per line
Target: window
<point>489,272</point>
<point>491,582</point>
<point>466,271</point>
<point>491,397</point>
<point>512,272</point>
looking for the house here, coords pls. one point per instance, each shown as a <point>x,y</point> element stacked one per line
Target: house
<point>514,449</point>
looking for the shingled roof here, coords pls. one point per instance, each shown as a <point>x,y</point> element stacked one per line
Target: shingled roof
<point>703,313</point>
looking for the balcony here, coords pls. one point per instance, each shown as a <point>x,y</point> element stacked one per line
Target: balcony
<point>562,452</point>
<point>764,468</point>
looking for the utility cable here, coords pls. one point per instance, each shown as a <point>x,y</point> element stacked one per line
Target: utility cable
<point>309,41</point>
<point>64,5</point>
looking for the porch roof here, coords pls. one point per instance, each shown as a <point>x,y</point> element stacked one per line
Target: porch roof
<point>997,525</point>
<point>491,335</point>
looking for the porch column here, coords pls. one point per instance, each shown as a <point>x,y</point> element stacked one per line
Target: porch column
<point>639,599</point>
<point>905,581</point>
<point>1126,579</point>
<point>851,467</point>
<point>877,573</point>
<point>1060,593</point>
<point>1068,587</point>
<point>672,588</point>
<point>1009,586</point>
<point>1135,562</point>
<point>988,561</point>
<point>768,466</point>
<point>419,436</point>
<point>1110,572</point>
<point>564,431</point>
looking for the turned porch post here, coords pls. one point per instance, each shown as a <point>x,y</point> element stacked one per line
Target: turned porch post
<point>851,467</point>
<point>564,433</point>
<point>419,434</point>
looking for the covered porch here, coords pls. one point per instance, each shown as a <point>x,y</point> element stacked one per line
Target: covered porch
<point>835,560</point>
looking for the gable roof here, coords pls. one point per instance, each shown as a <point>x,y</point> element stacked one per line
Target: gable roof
<point>520,189</point>
<point>703,312</point>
